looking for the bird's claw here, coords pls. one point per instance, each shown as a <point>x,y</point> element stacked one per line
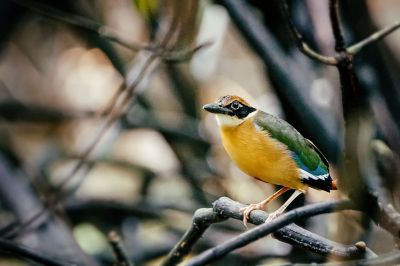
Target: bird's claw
<point>272,216</point>
<point>247,210</point>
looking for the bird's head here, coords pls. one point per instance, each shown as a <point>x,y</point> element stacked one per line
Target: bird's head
<point>230,110</point>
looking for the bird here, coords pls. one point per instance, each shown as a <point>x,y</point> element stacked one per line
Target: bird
<point>271,150</point>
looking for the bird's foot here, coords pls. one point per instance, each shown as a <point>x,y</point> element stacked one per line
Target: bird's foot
<point>247,210</point>
<point>272,216</point>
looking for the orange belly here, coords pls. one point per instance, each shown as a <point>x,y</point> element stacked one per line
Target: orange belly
<point>260,156</point>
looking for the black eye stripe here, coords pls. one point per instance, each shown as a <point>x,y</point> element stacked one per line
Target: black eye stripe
<point>239,110</point>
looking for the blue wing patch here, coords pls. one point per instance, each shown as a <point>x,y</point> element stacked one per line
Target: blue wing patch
<point>318,178</point>
<point>316,172</point>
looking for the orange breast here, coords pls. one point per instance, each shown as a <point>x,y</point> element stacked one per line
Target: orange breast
<point>260,156</point>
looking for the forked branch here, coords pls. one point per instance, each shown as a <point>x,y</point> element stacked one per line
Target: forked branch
<point>268,228</point>
<point>292,234</point>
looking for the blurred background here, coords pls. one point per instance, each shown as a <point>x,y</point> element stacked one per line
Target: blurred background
<point>102,128</point>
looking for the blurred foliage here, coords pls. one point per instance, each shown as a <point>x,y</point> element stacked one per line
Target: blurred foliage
<point>148,8</point>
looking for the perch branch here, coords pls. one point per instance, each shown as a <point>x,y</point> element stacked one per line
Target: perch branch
<point>292,234</point>
<point>267,228</point>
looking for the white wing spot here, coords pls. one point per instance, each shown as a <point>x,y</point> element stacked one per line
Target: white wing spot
<point>306,175</point>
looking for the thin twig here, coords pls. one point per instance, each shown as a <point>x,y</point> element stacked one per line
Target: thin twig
<point>8,227</point>
<point>186,54</point>
<point>267,228</point>
<point>335,22</point>
<point>301,43</point>
<point>109,33</point>
<point>82,22</point>
<point>106,125</point>
<point>116,110</point>
<point>24,226</point>
<point>118,249</point>
<point>355,48</point>
<point>25,253</point>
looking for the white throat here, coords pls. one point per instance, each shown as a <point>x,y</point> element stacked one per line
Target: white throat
<point>231,121</point>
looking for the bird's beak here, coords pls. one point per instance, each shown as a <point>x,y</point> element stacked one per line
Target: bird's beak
<point>216,109</point>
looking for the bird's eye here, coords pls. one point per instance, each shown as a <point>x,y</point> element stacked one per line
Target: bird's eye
<point>236,105</point>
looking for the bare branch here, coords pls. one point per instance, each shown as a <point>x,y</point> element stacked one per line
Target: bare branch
<point>55,235</point>
<point>335,21</point>
<point>147,64</point>
<point>184,55</point>
<point>358,188</point>
<point>109,33</point>
<point>392,258</point>
<point>292,234</point>
<point>15,111</point>
<point>202,219</point>
<point>118,249</point>
<point>82,22</point>
<point>267,228</point>
<point>385,215</point>
<point>25,253</point>
<point>301,43</point>
<point>355,48</point>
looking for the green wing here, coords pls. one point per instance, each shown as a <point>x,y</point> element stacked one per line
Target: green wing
<point>305,152</point>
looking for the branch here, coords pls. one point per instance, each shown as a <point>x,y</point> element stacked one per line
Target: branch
<point>267,228</point>
<point>301,43</point>
<point>15,111</point>
<point>202,219</point>
<point>384,215</point>
<point>292,234</point>
<point>335,22</point>
<point>118,249</point>
<point>355,48</point>
<point>56,238</point>
<point>392,258</point>
<point>82,22</point>
<point>358,188</point>
<point>137,79</point>
<point>109,33</point>
<point>25,253</point>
